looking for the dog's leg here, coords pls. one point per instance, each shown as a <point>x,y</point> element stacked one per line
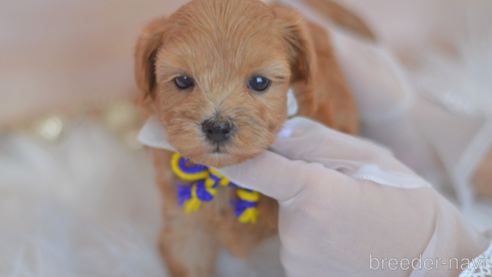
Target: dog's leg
<point>188,248</point>
<point>239,238</point>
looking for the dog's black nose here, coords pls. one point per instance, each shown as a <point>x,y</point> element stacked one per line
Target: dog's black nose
<point>217,131</point>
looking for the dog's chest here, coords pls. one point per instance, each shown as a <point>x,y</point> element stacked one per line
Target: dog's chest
<point>221,203</point>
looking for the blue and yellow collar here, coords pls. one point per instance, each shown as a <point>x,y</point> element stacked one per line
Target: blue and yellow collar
<point>204,183</point>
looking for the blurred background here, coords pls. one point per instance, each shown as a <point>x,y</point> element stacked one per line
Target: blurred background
<point>76,189</point>
<point>57,54</point>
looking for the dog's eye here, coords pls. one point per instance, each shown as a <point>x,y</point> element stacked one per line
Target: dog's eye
<point>258,83</point>
<point>183,82</point>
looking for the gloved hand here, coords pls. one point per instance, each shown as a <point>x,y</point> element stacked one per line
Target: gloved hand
<point>417,130</point>
<point>347,204</point>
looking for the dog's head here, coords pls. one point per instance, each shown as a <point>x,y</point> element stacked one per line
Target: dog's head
<point>216,74</point>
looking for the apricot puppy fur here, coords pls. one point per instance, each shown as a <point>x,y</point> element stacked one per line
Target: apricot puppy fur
<point>216,74</point>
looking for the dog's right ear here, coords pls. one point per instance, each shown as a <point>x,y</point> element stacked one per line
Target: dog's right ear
<point>145,56</point>
<point>295,31</point>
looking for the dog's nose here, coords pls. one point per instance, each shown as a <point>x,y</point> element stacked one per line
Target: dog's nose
<point>217,131</point>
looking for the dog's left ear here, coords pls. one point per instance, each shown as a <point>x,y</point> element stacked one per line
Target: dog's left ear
<point>295,31</point>
<point>145,55</point>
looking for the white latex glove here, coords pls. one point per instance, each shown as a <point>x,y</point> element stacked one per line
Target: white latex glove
<point>424,135</point>
<point>344,201</point>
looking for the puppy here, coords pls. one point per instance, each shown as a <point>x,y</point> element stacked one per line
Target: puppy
<point>216,75</point>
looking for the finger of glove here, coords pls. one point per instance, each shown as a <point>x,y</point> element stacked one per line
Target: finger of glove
<point>277,176</point>
<point>303,139</point>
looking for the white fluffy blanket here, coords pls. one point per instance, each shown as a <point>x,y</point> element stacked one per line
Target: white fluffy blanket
<point>87,206</point>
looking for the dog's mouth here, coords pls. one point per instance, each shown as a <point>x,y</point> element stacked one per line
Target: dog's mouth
<point>221,147</point>
<point>218,150</point>
<point>217,155</point>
